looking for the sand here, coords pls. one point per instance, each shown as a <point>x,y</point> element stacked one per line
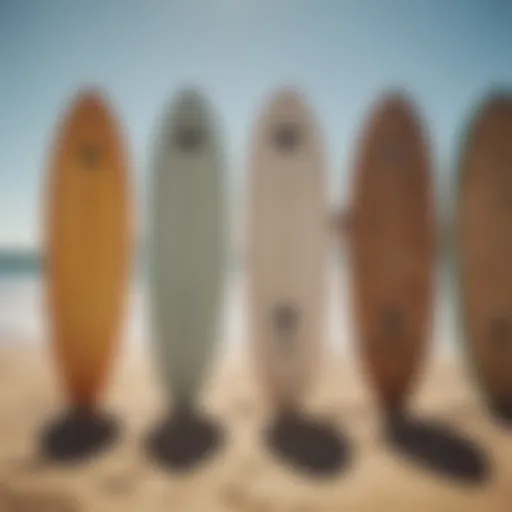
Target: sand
<point>245,476</point>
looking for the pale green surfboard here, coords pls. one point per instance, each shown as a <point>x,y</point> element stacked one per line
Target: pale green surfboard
<point>186,244</point>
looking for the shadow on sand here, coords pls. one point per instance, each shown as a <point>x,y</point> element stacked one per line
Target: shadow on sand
<point>77,435</point>
<point>501,413</point>
<point>438,447</point>
<point>310,446</point>
<point>185,439</point>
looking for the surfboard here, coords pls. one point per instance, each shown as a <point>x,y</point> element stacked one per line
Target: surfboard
<point>187,245</point>
<point>88,245</point>
<point>392,247</point>
<point>287,238</point>
<point>484,240</point>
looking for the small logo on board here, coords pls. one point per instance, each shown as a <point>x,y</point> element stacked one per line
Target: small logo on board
<point>90,156</point>
<point>189,138</point>
<point>287,137</point>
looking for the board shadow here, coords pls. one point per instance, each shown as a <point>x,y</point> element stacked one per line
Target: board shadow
<point>184,439</point>
<point>439,448</point>
<point>78,435</point>
<point>501,413</point>
<point>310,446</point>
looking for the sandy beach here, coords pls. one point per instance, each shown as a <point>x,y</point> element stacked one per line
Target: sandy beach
<point>244,475</point>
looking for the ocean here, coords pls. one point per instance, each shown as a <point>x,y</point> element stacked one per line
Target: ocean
<point>23,319</point>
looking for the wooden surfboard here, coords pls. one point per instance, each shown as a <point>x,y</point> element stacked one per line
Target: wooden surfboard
<point>88,244</point>
<point>187,244</point>
<point>287,242</point>
<point>484,235</point>
<point>392,247</point>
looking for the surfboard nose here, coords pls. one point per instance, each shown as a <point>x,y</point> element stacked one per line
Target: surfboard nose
<point>394,118</point>
<point>191,106</point>
<point>90,98</point>
<point>395,102</point>
<point>90,107</point>
<point>189,97</point>
<point>287,96</point>
<point>287,104</point>
<point>189,123</point>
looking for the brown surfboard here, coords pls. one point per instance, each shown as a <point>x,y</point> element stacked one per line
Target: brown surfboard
<point>484,235</point>
<point>392,248</point>
<point>87,251</point>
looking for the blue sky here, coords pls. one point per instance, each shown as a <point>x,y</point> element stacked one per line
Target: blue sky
<point>341,53</point>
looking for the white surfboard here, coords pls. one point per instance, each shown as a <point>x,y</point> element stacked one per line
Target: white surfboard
<point>186,244</point>
<point>287,241</point>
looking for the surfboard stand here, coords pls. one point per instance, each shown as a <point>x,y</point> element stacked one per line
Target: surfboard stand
<point>307,443</point>
<point>184,438</point>
<point>78,434</point>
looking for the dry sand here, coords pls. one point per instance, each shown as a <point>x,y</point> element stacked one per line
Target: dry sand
<point>244,476</point>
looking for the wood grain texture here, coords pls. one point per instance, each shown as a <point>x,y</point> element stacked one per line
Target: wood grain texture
<point>187,244</point>
<point>392,247</point>
<point>484,235</point>
<point>88,243</point>
<point>287,237</point>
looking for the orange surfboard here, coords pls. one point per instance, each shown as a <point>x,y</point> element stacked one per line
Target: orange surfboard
<point>392,248</point>
<point>484,233</point>
<point>88,245</point>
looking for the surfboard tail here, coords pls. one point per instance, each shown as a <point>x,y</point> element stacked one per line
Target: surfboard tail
<point>185,325</point>
<point>285,354</point>
<point>84,383</point>
<point>393,375</point>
